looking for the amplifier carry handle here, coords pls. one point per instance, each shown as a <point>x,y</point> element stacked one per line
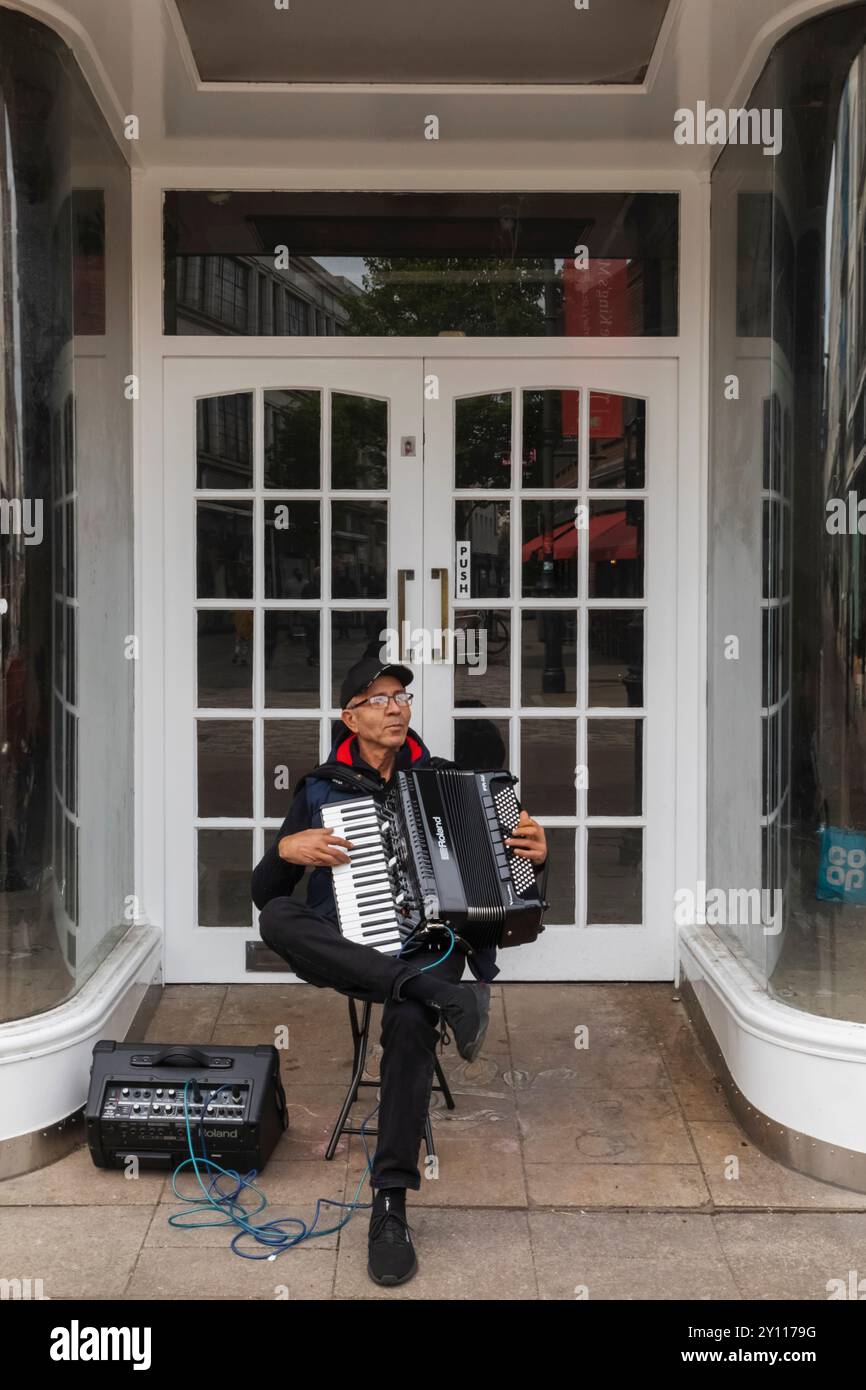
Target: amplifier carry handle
<point>174,1056</point>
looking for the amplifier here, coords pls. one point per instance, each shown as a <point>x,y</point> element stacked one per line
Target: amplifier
<point>135,1104</point>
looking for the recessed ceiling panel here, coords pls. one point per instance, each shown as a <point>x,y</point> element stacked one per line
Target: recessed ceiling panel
<point>408,41</point>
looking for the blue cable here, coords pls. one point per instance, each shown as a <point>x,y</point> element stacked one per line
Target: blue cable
<point>231,1210</point>
<point>434,963</point>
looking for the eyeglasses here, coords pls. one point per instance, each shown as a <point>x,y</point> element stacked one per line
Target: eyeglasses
<point>402,699</point>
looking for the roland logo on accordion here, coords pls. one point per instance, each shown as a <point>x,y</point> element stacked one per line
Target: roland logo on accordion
<point>440,838</point>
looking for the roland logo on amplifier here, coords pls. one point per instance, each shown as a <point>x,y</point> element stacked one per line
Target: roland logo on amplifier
<point>440,838</point>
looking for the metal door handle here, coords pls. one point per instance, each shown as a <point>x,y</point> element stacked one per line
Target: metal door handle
<point>402,576</point>
<point>442,576</point>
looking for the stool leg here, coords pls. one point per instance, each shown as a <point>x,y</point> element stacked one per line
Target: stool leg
<point>357,1029</point>
<point>428,1135</point>
<point>359,1036</point>
<point>443,1085</point>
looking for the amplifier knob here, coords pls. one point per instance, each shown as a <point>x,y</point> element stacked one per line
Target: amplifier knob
<point>159,1090</point>
<point>125,1091</point>
<point>136,1107</point>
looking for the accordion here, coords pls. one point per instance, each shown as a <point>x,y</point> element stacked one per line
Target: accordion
<point>431,854</point>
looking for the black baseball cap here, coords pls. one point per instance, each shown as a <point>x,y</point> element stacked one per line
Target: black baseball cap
<point>365,671</point>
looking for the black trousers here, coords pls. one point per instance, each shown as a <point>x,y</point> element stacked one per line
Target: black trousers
<point>318,952</point>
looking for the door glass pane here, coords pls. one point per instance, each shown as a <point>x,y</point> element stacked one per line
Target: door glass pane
<point>614,876</point>
<point>225,862</point>
<point>615,763</point>
<point>359,442</point>
<point>560,877</point>
<point>549,553</point>
<point>548,757</point>
<point>480,744</point>
<point>225,767</point>
<point>482,440</point>
<point>617,433</point>
<point>486,527</point>
<point>224,549</point>
<point>359,549</point>
<point>616,549</point>
<point>224,441</point>
<point>548,657</point>
<point>290,748</point>
<point>225,658</point>
<point>293,540</point>
<point>615,657</point>
<point>551,438</point>
<point>293,439</point>
<point>292,658</point>
<point>482,657</point>
<point>354,633</point>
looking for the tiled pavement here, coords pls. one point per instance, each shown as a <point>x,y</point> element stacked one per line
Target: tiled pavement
<point>561,1170</point>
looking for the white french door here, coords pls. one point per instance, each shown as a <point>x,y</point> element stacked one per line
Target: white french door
<point>293,524</point>
<point>550,551</point>
<point>514,519</point>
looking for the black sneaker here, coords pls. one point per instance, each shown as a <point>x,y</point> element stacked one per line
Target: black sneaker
<point>468,1014</point>
<point>391,1254</point>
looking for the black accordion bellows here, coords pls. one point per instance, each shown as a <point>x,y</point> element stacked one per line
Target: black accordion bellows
<point>449,829</point>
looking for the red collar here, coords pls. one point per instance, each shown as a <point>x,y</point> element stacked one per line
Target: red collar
<point>347,752</point>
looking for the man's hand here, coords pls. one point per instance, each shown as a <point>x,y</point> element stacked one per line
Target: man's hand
<point>529,841</point>
<point>314,847</point>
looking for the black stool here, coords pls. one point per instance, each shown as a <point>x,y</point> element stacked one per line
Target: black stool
<point>360,1038</point>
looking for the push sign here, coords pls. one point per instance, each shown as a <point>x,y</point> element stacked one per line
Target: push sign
<point>463,588</point>
<point>842,870</point>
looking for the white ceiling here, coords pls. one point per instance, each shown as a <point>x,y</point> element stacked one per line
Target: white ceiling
<point>401,41</point>
<point>136,55</point>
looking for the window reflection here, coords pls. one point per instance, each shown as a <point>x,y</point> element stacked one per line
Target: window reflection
<point>551,433</point>
<point>224,549</point>
<point>549,552</point>
<point>224,441</point>
<point>615,657</point>
<point>359,550</point>
<point>617,437</point>
<point>293,439</point>
<point>293,544</point>
<point>787,795</point>
<point>65,870</point>
<point>482,441</point>
<point>487,528</point>
<point>616,541</point>
<point>409,264</point>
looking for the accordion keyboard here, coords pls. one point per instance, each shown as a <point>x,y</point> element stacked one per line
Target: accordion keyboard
<point>363,888</point>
